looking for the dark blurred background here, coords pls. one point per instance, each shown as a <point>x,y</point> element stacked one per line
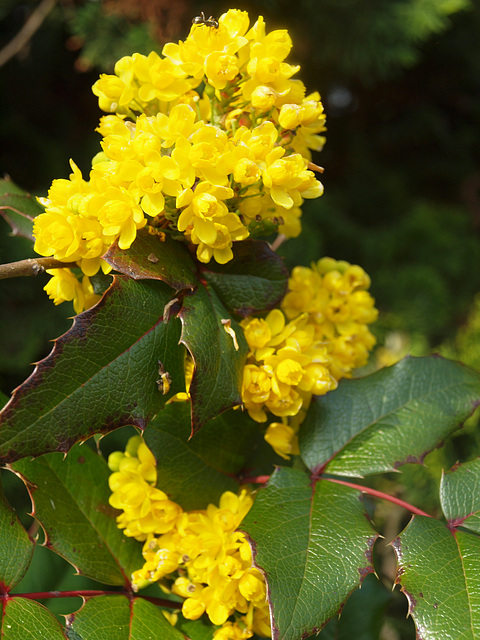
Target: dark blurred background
<point>400,80</point>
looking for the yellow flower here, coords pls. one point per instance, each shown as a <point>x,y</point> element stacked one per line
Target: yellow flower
<point>282,438</point>
<point>65,286</point>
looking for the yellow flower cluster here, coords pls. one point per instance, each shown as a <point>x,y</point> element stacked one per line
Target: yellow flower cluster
<point>318,337</point>
<point>212,139</point>
<point>197,555</point>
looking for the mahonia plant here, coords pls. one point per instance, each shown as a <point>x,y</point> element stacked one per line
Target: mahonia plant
<point>233,514</point>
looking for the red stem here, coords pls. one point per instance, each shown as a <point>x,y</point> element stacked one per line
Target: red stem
<point>372,492</point>
<point>45,595</point>
<point>383,496</point>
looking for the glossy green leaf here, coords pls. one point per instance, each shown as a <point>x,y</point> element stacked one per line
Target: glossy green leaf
<point>218,357</point>
<point>70,499</point>
<point>439,572</point>
<point>394,416</point>
<point>253,282</point>
<point>25,619</point>
<point>18,208</point>
<point>363,615</point>
<point>460,495</point>
<point>119,618</point>
<point>193,472</point>
<point>100,375</point>
<point>313,544</point>
<point>16,548</point>
<point>149,257</point>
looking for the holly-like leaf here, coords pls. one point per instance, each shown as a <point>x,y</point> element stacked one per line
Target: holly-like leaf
<point>101,374</point>
<point>394,416</point>
<point>218,349</point>
<point>24,619</point>
<point>70,500</point>
<point>253,282</point>
<point>120,618</point>
<point>194,472</point>
<point>363,615</point>
<point>151,257</point>
<point>16,549</point>
<point>439,572</point>
<point>460,495</point>
<point>314,546</point>
<point>18,208</point>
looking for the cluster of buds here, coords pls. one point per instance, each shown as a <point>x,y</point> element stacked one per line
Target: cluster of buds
<point>197,555</point>
<point>210,141</point>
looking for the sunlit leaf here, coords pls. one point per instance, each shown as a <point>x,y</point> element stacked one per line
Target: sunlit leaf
<point>100,375</point>
<point>70,499</point>
<point>460,495</point>
<point>313,544</point>
<point>120,618</point>
<point>24,619</point>
<point>439,572</point>
<point>394,416</point>
<point>218,349</point>
<point>363,615</point>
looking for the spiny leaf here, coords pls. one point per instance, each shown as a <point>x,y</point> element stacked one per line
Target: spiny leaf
<point>363,615</point>
<point>24,619</point>
<point>217,354</point>
<point>460,495</point>
<point>194,472</point>
<point>150,257</point>
<point>253,282</point>
<point>313,544</point>
<point>394,416</point>
<point>121,618</point>
<point>16,549</point>
<point>438,570</point>
<point>70,499</point>
<point>100,375</point>
<point>18,208</point>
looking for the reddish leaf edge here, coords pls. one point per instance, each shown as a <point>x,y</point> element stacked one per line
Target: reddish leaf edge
<point>79,325</point>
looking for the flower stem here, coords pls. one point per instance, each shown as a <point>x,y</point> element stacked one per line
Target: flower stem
<point>31,267</point>
<point>382,495</point>
<point>88,593</point>
<point>372,492</point>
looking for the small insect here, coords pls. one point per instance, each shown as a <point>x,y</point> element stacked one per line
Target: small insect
<point>208,22</point>
<point>165,380</point>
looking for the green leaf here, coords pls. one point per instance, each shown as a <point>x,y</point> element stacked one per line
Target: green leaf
<point>193,472</point>
<point>121,618</point>
<point>16,549</point>
<point>151,258</point>
<point>70,499</point>
<point>253,282</point>
<point>101,374</point>
<point>438,570</point>
<point>28,620</point>
<point>18,208</point>
<point>314,546</point>
<point>392,417</point>
<point>218,358</point>
<point>363,615</point>
<point>460,495</point>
